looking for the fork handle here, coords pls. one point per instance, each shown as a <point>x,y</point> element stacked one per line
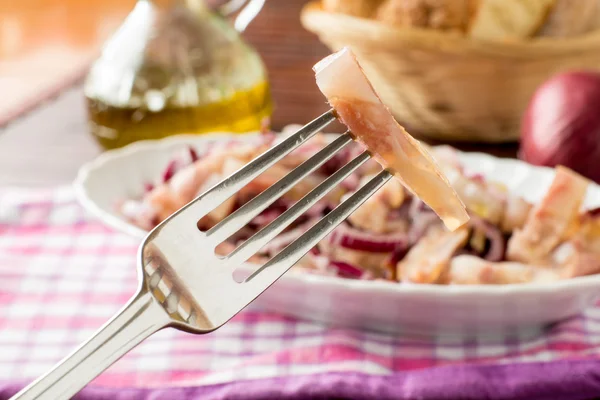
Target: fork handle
<point>140,318</point>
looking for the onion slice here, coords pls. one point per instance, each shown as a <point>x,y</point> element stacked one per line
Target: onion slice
<point>346,270</point>
<point>350,238</point>
<point>496,240</point>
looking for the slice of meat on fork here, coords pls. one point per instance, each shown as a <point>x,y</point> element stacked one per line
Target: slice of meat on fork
<point>348,90</point>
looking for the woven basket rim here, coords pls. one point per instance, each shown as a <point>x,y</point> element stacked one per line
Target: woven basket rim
<point>364,31</point>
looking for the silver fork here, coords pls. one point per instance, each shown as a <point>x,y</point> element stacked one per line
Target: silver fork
<point>183,284</point>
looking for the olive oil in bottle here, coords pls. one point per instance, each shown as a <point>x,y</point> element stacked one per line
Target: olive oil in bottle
<point>169,71</point>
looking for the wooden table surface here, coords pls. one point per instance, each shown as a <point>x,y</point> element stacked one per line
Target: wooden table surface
<point>46,46</point>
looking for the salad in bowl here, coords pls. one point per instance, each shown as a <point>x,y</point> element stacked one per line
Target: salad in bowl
<point>393,236</point>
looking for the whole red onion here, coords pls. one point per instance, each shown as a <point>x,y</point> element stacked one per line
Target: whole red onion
<point>561,125</point>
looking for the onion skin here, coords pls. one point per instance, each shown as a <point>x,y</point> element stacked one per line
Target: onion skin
<point>561,125</point>
<point>353,239</point>
<point>193,154</point>
<point>497,248</point>
<point>346,270</point>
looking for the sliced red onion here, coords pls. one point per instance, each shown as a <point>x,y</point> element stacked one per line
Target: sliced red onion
<point>153,221</point>
<point>397,256</point>
<point>353,239</point>
<point>148,187</point>
<point>170,171</point>
<point>271,212</point>
<point>391,262</point>
<point>190,156</point>
<point>346,270</point>
<point>193,154</point>
<point>496,240</point>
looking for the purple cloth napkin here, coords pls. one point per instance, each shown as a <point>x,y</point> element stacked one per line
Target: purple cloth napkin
<point>559,380</point>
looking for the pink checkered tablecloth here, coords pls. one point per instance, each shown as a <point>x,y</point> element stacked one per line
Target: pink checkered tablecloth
<point>63,274</point>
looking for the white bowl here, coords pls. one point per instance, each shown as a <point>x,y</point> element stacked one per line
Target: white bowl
<point>382,306</point>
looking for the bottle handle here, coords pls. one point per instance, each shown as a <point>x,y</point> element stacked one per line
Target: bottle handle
<point>247,10</point>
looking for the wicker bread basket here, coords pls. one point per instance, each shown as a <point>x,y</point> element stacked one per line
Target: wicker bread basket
<point>447,87</point>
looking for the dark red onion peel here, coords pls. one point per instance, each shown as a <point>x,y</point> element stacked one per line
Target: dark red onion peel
<point>493,234</point>
<point>193,154</point>
<point>170,170</point>
<point>343,269</point>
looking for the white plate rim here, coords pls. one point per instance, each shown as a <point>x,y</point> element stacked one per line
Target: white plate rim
<point>316,280</point>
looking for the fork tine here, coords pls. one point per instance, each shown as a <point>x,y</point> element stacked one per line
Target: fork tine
<point>216,195</point>
<point>248,211</point>
<point>278,265</point>
<point>268,233</point>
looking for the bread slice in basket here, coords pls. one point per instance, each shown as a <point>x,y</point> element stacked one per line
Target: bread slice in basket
<point>510,19</point>
<point>434,14</point>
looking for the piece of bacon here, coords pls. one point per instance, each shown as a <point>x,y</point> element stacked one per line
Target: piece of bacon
<point>551,220</point>
<point>580,255</point>
<point>429,259</point>
<point>346,87</point>
<point>471,270</point>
